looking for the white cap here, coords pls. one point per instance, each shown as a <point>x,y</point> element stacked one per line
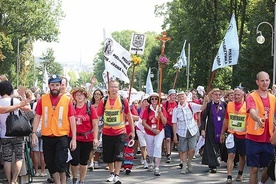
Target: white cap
<point>229,142</point>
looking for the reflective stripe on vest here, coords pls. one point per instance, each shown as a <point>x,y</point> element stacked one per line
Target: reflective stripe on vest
<point>113,116</point>
<point>55,122</point>
<point>237,120</point>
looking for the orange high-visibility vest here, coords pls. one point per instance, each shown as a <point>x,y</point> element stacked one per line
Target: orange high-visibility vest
<point>55,121</point>
<point>237,119</point>
<point>252,126</point>
<point>113,116</point>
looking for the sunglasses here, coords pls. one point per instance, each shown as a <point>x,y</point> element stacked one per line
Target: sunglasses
<point>154,99</point>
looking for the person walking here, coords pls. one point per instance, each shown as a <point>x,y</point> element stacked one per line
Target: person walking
<point>185,130</point>
<point>235,124</point>
<point>211,126</point>
<point>154,119</point>
<point>169,105</point>
<point>261,108</point>
<point>87,134</point>
<point>113,108</point>
<point>57,113</point>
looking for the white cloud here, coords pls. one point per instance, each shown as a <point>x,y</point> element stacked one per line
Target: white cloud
<point>82,28</point>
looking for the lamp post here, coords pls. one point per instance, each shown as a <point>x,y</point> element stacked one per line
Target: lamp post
<point>261,39</point>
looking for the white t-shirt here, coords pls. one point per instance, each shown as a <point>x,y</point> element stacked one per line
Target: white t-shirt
<point>5,102</point>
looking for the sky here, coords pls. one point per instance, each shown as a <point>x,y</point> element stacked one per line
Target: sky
<point>82,28</point>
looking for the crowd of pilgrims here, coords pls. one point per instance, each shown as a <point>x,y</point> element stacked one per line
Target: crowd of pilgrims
<point>162,123</point>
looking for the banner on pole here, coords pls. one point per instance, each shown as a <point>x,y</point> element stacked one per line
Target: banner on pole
<point>137,44</point>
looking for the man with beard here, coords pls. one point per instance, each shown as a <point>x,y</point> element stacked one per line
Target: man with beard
<point>57,113</point>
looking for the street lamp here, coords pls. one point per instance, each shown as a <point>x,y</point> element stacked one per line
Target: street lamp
<point>261,39</point>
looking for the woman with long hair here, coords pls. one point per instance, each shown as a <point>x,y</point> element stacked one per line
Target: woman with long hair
<point>154,119</point>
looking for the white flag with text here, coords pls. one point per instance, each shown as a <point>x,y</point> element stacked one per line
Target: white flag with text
<point>117,59</point>
<point>228,53</point>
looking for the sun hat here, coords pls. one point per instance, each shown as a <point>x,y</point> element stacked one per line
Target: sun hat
<point>171,91</point>
<point>229,142</point>
<point>181,93</point>
<point>79,89</point>
<point>152,95</point>
<point>54,79</point>
<point>228,92</point>
<point>214,90</point>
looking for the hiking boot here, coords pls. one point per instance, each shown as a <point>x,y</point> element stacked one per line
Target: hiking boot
<point>156,172</point>
<point>239,178</point>
<point>110,178</point>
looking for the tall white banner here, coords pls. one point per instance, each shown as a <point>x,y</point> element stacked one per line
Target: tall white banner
<point>149,88</point>
<point>117,59</point>
<point>228,53</point>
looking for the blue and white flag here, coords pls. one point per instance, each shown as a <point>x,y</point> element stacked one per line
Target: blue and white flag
<point>228,53</point>
<point>149,88</point>
<point>178,64</point>
<point>182,57</point>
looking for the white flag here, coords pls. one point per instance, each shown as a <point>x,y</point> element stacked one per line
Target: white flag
<point>45,81</point>
<point>182,57</point>
<point>117,59</point>
<point>178,64</point>
<point>149,88</point>
<point>228,53</point>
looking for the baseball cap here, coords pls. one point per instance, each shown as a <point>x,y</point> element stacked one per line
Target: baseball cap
<point>229,142</point>
<point>171,91</point>
<point>54,79</point>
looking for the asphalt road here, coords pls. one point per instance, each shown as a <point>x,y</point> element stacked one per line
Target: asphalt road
<point>170,174</point>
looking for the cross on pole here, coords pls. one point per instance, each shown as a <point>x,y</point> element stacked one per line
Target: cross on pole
<point>163,39</point>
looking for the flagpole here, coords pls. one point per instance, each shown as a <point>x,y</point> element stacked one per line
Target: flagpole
<point>188,68</point>
<point>211,81</point>
<point>176,76</point>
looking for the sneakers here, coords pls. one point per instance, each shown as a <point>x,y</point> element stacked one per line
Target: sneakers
<point>142,161</point>
<point>75,180</point>
<point>96,165</point>
<point>239,178</point>
<point>145,165</point>
<point>43,174</point>
<point>190,166</point>
<point>81,182</point>
<point>110,178</point>
<point>229,181</point>
<point>213,170</point>
<point>150,168</point>
<point>50,180</point>
<point>181,165</point>
<point>183,170</point>
<point>37,175</point>
<point>169,159</point>
<point>116,180</point>
<point>156,172</point>
<point>128,171</point>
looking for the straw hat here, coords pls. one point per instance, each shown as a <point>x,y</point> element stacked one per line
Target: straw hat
<point>215,90</point>
<point>228,92</point>
<point>79,89</point>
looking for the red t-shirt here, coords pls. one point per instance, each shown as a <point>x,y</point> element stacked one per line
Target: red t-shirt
<point>84,123</point>
<point>250,104</point>
<point>100,111</point>
<point>169,109</point>
<point>237,108</point>
<point>151,119</point>
<point>133,112</point>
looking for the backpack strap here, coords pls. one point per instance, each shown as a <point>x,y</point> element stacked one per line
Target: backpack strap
<point>190,107</point>
<point>122,102</point>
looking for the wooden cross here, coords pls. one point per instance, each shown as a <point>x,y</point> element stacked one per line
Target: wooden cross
<point>163,39</point>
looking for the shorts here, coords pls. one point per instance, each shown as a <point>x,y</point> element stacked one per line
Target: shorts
<point>168,132</point>
<point>258,154</point>
<point>81,154</point>
<point>39,146</point>
<point>55,153</point>
<point>187,143</point>
<point>141,138</point>
<point>12,145</point>
<point>239,146</point>
<point>113,148</point>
